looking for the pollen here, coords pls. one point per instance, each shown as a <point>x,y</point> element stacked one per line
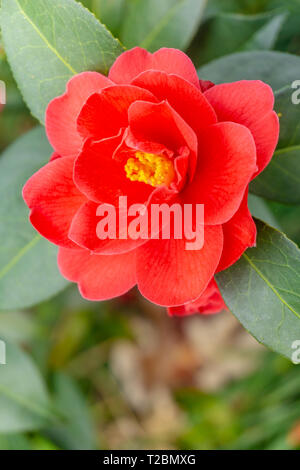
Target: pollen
<point>149,168</point>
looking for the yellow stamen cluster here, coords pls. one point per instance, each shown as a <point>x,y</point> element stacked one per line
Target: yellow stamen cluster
<point>149,168</point>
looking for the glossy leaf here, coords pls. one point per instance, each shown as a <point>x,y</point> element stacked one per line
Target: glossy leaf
<point>259,209</point>
<point>262,290</point>
<point>154,23</point>
<point>28,267</point>
<point>49,41</point>
<point>278,69</point>
<point>228,33</point>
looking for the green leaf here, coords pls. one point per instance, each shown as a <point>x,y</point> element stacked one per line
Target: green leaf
<point>24,401</point>
<point>228,33</point>
<point>289,38</point>
<point>262,290</point>
<point>259,209</point>
<point>280,181</point>
<point>28,267</point>
<point>278,69</point>
<point>76,431</point>
<point>155,23</point>
<point>49,41</point>
<point>109,13</point>
<point>266,36</point>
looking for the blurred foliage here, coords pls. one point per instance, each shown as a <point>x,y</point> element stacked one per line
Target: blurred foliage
<point>81,353</point>
<point>122,374</point>
<point>260,411</point>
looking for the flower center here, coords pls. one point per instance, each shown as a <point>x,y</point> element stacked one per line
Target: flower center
<point>149,168</point>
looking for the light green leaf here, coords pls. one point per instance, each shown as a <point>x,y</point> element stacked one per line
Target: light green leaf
<point>154,23</point>
<point>28,267</point>
<point>49,41</point>
<point>262,290</point>
<point>24,401</point>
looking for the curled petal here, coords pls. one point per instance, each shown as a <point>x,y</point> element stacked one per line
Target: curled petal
<point>54,200</point>
<point>249,103</point>
<point>105,113</point>
<point>135,61</point>
<point>62,112</point>
<point>185,98</point>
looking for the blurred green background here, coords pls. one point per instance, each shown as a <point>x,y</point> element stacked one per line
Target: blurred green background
<point>122,374</point>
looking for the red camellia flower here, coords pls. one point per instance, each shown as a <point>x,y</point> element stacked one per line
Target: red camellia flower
<point>152,132</point>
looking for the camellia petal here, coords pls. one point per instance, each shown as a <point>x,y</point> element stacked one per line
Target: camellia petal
<point>54,200</point>
<point>105,113</point>
<point>161,123</point>
<point>103,179</point>
<point>239,234</point>
<point>99,277</point>
<point>62,112</point>
<point>186,99</point>
<point>131,63</point>
<point>83,232</point>
<point>226,163</point>
<point>170,275</point>
<point>249,103</point>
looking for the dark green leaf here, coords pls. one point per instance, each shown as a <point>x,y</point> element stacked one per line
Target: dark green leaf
<point>275,68</point>
<point>280,181</point>
<point>266,36</point>
<point>49,41</point>
<point>155,23</point>
<point>259,209</point>
<point>262,290</point>
<point>28,267</point>
<point>228,33</point>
